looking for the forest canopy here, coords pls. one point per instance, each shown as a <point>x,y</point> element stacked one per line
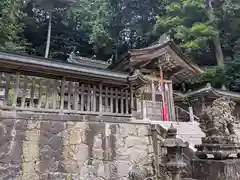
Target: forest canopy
<point>206,30</point>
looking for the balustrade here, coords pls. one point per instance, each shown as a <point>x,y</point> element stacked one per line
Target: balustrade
<point>31,93</point>
<point>150,101</point>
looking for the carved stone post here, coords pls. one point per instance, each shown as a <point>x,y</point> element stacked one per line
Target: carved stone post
<point>174,147</point>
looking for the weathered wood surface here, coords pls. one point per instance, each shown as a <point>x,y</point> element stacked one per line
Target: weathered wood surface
<point>28,93</point>
<point>151,100</point>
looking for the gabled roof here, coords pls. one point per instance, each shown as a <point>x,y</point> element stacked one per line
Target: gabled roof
<point>48,67</point>
<point>164,53</point>
<point>88,62</point>
<point>210,92</point>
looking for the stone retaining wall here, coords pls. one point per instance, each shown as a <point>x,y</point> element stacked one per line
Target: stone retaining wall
<point>39,148</point>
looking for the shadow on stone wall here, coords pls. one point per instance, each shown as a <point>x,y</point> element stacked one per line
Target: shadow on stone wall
<point>58,150</point>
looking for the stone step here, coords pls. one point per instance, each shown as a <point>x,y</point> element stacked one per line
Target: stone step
<point>188,131</point>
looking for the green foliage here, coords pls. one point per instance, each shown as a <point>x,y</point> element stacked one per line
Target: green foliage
<point>100,26</point>
<point>212,75</point>
<point>10,14</point>
<point>94,15</point>
<point>187,22</point>
<point>232,74</point>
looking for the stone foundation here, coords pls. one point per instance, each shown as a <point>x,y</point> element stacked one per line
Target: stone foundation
<point>41,149</point>
<point>216,170</point>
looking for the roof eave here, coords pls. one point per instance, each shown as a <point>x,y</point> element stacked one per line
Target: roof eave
<point>137,79</point>
<point>25,63</point>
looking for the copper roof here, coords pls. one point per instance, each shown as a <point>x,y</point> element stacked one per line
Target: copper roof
<point>49,67</point>
<point>178,66</point>
<point>210,92</point>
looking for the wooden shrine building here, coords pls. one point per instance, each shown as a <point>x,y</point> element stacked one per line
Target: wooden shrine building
<point>126,87</point>
<point>176,68</point>
<point>201,98</point>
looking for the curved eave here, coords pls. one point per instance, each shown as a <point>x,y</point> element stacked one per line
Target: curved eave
<point>209,92</point>
<point>49,67</point>
<point>118,65</point>
<point>232,95</point>
<point>141,57</point>
<point>138,79</point>
<point>88,62</point>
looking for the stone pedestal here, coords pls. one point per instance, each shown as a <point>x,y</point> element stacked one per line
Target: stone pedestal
<point>216,170</point>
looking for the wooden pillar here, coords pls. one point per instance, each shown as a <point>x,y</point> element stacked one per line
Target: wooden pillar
<point>172,106</point>
<point>54,98</point>
<point>82,97</point>
<point>40,94</point>
<point>100,97</point>
<point>143,109</point>
<point>7,87</point>
<point>16,89</point>
<point>62,98</point>
<point>25,86</point>
<point>32,93</point>
<point>191,115</point>
<point>131,98</point>
<point>153,98</point>
<point>70,90</point>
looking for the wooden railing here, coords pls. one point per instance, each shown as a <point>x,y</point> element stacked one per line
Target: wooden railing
<point>183,115</point>
<point>38,94</point>
<point>150,101</point>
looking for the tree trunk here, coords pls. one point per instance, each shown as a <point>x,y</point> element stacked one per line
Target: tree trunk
<point>49,35</point>
<point>218,52</point>
<point>216,39</point>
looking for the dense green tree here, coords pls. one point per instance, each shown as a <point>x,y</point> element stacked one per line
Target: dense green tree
<point>10,26</point>
<point>207,30</point>
<point>50,6</point>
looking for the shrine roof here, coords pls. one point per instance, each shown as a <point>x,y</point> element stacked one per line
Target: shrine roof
<point>209,92</point>
<point>165,53</point>
<point>48,67</point>
<point>88,62</point>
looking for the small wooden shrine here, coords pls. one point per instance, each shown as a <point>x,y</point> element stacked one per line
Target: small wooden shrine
<point>201,98</point>
<point>162,55</point>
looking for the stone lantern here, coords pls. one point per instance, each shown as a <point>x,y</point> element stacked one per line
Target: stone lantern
<point>174,145</point>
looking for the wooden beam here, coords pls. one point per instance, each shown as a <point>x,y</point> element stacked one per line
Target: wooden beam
<point>7,87</point>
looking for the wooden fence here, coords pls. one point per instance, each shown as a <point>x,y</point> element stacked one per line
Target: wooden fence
<point>37,94</point>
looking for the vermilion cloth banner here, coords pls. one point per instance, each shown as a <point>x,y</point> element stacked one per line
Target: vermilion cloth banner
<point>164,108</point>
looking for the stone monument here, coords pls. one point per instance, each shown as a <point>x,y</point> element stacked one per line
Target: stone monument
<point>220,149</point>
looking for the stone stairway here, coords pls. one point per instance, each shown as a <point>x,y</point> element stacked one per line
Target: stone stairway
<point>187,131</point>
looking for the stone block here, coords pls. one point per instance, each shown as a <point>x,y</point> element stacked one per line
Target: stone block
<point>29,168</point>
<point>58,176</point>
<point>76,152</point>
<point>29,176</point>
<point>216,170</point>
<point>97,154</point>
<point>143,130</point>
<point>30,151</point>
<point>32,135</point>
<point>72,166</point>
<point>125,130</point>
<point>137,141</point>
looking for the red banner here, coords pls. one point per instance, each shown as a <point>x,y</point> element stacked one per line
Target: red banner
<point>164,108</point>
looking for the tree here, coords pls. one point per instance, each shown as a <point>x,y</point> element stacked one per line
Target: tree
<point>10,14</point>
<point>50,6</point>
<point>188,23</point>
<point>198,26</point>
